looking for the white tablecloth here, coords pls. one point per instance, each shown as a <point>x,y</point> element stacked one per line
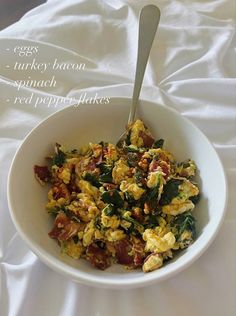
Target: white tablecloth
<point>192,68</point>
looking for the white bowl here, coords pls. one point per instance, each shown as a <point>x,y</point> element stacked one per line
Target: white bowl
<point>76,126</point>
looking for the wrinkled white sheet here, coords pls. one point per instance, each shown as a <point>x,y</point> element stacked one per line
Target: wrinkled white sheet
<point>192,69</point>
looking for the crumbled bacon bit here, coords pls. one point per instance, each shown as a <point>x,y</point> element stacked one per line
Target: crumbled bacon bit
<point>123,248</point>
<point>110,186</point>
<point>64,228</point>
<point>137,214</point>
<point>97,256</point>
<point>147,139</point>
<point>60,191</point>
<point>42,174</point>
<point>165,167</point>
<point>139,254</point>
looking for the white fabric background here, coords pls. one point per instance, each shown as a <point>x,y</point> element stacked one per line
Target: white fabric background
<point>192,69</point>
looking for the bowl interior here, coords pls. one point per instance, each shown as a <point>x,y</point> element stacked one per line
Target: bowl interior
<point>76,126</point>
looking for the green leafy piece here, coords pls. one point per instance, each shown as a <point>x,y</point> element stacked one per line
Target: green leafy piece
<point>74,151</point>
<point>75,239</point>
<point>54,211</point>
<point>59,158</point>
<point>186,164</point>
<point>153,193</point>
<point>127,139</point>
<point>195,199</point>
<point>131,220</point>
<point>158,143</point>
<point>131,149</point>
<point>106,175</point>
<point>140,177</point>
<point>97,222</point>
<point>105,178</point>
<point>91,179</point>
<point>130,199</point>
<point>152,221</point>
<point>113,197</point>
<point>76,219</point>
<point>184,222</point>
<point>132,159</point>
<point>170,191</point>
<point>109,210</point>
<point>136,228</point>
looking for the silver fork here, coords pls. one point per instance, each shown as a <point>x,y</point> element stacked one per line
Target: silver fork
<point>148,22</point>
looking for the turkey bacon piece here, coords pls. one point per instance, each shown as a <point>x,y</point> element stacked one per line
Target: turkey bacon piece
<point>64,228</point>
<point>98,257</point>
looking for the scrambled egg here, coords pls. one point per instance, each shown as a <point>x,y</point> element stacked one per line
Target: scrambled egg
<point>154,243</point>
<point>152,262</point>
<point>115,235</point>
<point>181,202</point>
<point>72,249</point>
<point>64,175</point>
<point>135,138</point>
<point>111,154</point>
<point>89,233</point>
<point>84,207</point>
<point>110,221</point>
<point>88,188</point>
<point>132,188</point>
<point>120,171</point>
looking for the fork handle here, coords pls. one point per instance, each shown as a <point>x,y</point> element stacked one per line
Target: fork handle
<point>148,22</point>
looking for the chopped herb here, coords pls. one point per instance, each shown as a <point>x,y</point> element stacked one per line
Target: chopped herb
<point>170,191</point>
<point>113,197</point>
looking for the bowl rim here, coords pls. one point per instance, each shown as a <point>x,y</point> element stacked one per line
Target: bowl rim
<point>98,281</point>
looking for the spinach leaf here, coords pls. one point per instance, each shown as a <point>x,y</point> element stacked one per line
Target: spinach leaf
<point>106,175</point>
<point>195,199</point>
<point>132,159</point>
<point>170,191</point>
<point>91,179</point>
<point>130,199</point>
<point>185,222</point>
<point>153,193</point>
<point>152,221</point>
<point>59,158</point>
<point>127,139</point>
<point>109,210</point>
<point>113,197</point>
<point>158,143</point>
<point>140,177</point>
<point>131,149</point>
